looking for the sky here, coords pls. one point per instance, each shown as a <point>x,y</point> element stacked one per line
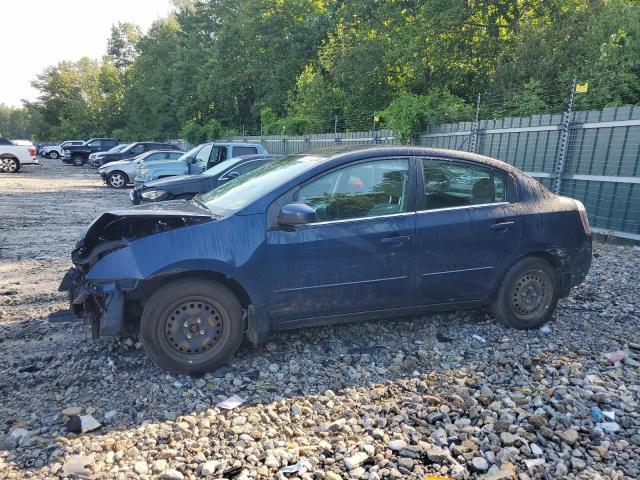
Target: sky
<point>39,33</point>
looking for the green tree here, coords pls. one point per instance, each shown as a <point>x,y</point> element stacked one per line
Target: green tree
<point>122,44</point>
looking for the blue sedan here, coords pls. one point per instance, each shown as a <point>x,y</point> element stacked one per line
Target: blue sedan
<point>327,237</point>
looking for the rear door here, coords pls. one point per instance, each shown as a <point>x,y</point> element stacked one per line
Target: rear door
<point>466,229</point>
<point>357,256</point>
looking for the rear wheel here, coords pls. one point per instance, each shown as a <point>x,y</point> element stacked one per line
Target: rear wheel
<point>118,179</point>
<point>53,155</point>
<point>191,326</point>
<point>528,294</point>
<point>9,165</point>
<point>78,160</point>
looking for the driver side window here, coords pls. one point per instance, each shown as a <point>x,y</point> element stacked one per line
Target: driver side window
<point>366,189</point>
<point>138,149</point>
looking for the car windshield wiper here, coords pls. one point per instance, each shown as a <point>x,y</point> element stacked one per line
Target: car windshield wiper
<point>198,200</point>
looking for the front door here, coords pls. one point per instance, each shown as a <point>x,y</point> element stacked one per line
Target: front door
<point>357,256</point>
<point>466,230</point>
<point>200,161</point>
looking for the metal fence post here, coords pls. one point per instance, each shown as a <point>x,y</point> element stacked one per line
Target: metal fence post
<point>564,140</point>
<point>473,144</point>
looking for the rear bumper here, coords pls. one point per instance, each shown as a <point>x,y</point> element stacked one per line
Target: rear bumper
<point>575,265</point>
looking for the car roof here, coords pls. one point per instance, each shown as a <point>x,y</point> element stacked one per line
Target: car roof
<point>357,152</point>
<point>237,144</point>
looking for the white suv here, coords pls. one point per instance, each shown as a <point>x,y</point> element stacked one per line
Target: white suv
<point>56,150</point>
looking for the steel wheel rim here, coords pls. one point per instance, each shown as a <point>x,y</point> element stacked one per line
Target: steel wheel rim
<point>193,327</point>
<point>8,165</point>
<point>531,295</point>
<point>116,180</point>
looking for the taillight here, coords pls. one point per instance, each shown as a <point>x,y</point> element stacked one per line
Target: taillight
<point>583,217</point>
<point>32,151</point>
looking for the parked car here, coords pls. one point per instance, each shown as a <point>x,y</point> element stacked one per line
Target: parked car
<point>119,174</point>
<point>13,157</point>
<point>79,154</point>
<point>55,151</point>
<point>130,151</point>
<point>197,160</point>
<point>117,148</point>
<point>328,237</point>
<point>188,186</point>
<point>23,143</point>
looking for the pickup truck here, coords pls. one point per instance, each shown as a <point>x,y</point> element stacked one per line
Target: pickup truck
<point>79,154</point>
<point>196,160</point>
<point>12,156</point>
<point>55,151</point>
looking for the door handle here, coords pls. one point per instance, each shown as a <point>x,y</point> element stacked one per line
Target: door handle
<point>397,239</point>
<point>501,225</point>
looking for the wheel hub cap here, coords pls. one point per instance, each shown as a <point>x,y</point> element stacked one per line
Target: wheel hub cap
<point>528,294</point>
<point>8,165</point>
<point>193,327</point>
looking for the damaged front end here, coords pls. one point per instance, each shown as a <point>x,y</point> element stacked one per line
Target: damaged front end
<point>103,301</point>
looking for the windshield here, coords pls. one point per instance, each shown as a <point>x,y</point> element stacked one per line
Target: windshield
<point>219,168</point>
<point>246,189</point>
<point>191,153</point>
<point>117,148</point>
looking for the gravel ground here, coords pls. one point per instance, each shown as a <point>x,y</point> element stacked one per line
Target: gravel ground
<point>400,399</point>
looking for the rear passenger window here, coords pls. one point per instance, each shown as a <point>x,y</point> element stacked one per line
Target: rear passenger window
<point>239,151</point>
<point>448,184</point>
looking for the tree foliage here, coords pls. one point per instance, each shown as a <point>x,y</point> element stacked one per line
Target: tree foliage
<point>295,66</point>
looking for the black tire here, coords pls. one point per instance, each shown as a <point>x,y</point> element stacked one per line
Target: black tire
<point>9,165</point>
<point>117,179</point>
<point>178,310</point>
<point>53,155</point>
<point>528,294</point>
<point>78,160</point>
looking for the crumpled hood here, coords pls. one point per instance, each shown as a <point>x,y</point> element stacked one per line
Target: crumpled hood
<point>117,228</point>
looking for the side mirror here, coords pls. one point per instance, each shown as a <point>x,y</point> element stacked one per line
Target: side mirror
<point>296,214</point>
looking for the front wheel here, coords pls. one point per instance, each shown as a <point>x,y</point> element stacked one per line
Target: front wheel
<point>78,160</point>
<point>53,155</point>
<point>118,179</point>
<point>528,294</point>
<point>191,326</point>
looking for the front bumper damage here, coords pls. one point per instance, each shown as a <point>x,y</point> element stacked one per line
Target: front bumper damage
<point>100,307</point>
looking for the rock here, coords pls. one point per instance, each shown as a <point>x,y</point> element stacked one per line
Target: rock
<point>72,411</point>
<point>21,436</point>
<point>537,421</point>
<point>337,425</point>
<point>273,367</point>
<point>331,476</point>
<point>578,463</point>
<point>355,460</point>
<point>75,466</point>
<point>296,410</point>
<point>159,466</point>
<point>140,467</point>
<point>82,424</point>
<point>569,436</point>
<point>507,439</point>
<point>436,454</point>
<point>7,442</point>
<point>209,468</point>
<point>536,450</point>
<point>479,464</point>
<point>397,445</point>
<point>171,474</point>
